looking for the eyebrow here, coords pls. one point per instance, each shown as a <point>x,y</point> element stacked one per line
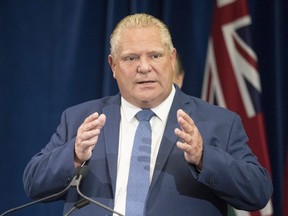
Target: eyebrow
<point>125,53</point>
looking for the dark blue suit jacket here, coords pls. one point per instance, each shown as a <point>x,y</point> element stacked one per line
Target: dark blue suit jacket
<point>231,173</point>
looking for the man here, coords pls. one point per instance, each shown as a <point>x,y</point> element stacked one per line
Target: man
<point>199,161</point>
<point>179,72</point>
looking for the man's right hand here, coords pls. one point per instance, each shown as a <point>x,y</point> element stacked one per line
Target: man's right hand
<point>87,136</point>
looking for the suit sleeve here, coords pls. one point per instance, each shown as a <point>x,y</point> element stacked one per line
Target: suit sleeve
<point>232,171</point>
<point>52,169</point>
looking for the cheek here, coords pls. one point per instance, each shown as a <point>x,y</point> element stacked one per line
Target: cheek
<point>125,75</point>
<point>166,74</point>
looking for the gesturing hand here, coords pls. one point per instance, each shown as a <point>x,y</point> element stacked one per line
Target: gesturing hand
<point>192,143</point>
<point>87,136</point>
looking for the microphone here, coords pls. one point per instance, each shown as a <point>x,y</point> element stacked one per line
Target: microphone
<point>82,173</point>
<point>79,204</point>
<point>50,197</point>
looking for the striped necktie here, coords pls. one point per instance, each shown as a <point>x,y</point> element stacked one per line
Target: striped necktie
<point>139,173</point>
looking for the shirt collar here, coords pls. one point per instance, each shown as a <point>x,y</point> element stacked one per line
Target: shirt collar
<point>161,111</point>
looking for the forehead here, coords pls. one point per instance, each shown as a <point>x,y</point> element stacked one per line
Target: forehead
<point>141,37</point>
<point>140,31</point>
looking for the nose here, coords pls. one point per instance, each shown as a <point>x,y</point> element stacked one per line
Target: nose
<point>144,66</point>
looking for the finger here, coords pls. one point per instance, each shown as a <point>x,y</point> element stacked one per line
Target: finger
<point>185,137</point>
<point>93,121</point>
<point>101,121</point>
<point>91,117</point>
<point>86,125</point>
<point>184,147</point>
<point>186,123</point>
<point>185,126</point>
<point>185,116</point>
<point>86,141</point>
<point>89,134</point>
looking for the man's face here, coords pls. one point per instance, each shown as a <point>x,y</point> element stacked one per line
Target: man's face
<point>143,67</point>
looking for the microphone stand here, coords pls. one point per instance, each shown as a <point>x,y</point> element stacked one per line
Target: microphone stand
<point>80,172</point>
<point>52,196</point>
<point>76,184</point>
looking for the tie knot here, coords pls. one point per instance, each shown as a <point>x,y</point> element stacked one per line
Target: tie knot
<point>145,115</point>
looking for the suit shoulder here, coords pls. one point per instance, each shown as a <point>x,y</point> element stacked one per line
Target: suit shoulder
<point>91,106</point>
<point>216,111</point>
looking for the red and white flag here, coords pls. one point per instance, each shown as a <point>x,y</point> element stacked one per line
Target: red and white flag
<point>232,80</point>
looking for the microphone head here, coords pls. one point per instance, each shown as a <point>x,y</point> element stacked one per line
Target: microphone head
<point>77,170</point>
<point>83,171</point>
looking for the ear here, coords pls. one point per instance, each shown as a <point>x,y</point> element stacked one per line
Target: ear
<point>112,65</point>
<point>173,58</point>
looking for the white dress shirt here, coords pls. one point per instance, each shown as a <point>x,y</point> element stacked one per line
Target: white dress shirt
<point>128,126</point>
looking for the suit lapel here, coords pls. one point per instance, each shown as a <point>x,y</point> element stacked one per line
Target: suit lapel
<point>111,137</point>
<point>169,138</point>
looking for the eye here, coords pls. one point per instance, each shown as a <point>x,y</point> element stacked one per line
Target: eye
<point>130,58</point>
<point>156,56</point>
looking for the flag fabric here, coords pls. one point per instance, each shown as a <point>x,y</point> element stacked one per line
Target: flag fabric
<point>231,78</point>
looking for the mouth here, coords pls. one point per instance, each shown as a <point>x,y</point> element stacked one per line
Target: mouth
<point>146,82</point>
